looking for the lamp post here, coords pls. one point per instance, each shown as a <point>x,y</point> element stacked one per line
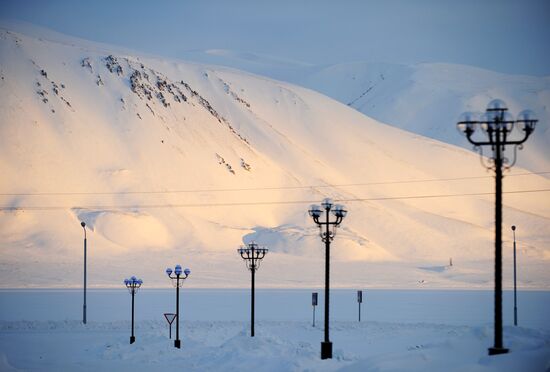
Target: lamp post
<point>497,126</point>
<point>83,224</point>
<point>252,254</point>
<point>133,284</point>
<point>177,281</point>
<point>515,287</point>
<point>327,235</point>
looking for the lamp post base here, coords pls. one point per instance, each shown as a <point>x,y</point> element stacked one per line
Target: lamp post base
<point>326,350</point>
<point>177,343</point>
<point>497,350</point>
<point>132,339</point>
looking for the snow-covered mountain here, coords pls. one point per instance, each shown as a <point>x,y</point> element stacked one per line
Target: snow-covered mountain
<point>424,98</point>
<point>170,162</point>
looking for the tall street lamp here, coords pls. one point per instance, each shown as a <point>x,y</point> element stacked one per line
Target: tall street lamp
<point>327,232</point>
<point>177,281</point>
<point>497,126</point>
<point>252,254</point>
<point>133,284</point>
<point>83,224</point>
<point>515,287</point>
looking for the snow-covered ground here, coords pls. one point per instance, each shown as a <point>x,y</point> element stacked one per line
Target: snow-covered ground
<point>400,330</point>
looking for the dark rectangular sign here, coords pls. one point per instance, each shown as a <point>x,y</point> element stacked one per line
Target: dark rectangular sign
<point>314,299</point>
<point>359,296</point>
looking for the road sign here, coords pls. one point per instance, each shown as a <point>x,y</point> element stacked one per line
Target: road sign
<point>314,303</point>
<point>170,319</point>
<point>359,300</point>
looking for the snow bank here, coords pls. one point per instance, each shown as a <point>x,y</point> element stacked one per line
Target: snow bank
<point>278,346</point>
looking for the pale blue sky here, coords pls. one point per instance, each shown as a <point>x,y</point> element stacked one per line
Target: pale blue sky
<point>510,36</point>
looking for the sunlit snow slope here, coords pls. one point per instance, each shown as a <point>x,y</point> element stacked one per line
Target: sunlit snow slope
<point>424,98</point>
<point>170,162</point>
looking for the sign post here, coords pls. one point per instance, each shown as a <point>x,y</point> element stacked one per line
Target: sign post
<point>170,319</point>
<point>359,300</point>
<point>313,304</point>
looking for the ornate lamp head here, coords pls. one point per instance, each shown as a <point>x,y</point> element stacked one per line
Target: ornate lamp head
<point>339,211</point>
<point>315,211</point>
<point>133,284</point>
<point>178,279</point>
<point>328,228</point>
<point>467,122</point>
<point>497,125</point>
<point>526,121</point>
<point>327,203</point>
<point>252,254</point>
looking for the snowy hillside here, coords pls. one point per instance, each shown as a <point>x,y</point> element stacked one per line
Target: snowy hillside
<point>425,98</point>
<point>170,162</point>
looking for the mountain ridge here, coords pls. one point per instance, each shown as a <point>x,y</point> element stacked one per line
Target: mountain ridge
<point>114,129</point>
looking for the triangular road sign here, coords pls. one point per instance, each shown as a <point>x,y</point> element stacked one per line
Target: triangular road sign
<point>169,317</point>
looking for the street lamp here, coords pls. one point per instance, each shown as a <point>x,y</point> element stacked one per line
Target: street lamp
<point>327,235</point>
<point>515,287</point>
<point>133,284</point>
<point>252,254</point>
<point>83,224</point>
<point>177,281</point>
<point>497,126</point>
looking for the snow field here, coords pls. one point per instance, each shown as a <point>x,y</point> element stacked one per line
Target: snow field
<point>277,346</point>
<point>423,330</point>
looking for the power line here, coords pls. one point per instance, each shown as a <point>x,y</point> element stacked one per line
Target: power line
<point>264,188</point>
<point>236,204</point>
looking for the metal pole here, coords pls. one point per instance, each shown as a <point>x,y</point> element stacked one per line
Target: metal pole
<point>177,342</point>
<point>132,337</point>
<point>313,316</point>
<point>252,300</point>
<point>326,346</point>
<point>515,287</point>
<point>85,253</point>
<point>359,311</point>
<point>497,125</point>
<point>498,348</point>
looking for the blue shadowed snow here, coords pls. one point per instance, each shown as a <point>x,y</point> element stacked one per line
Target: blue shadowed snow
<point>410,306</point>
<point>401,330</point>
